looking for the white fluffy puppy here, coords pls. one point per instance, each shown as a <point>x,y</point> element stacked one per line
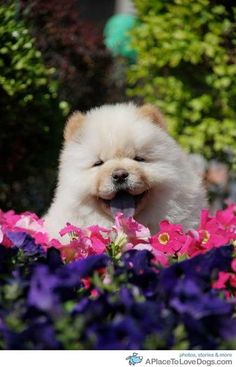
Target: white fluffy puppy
<point>119,158</point>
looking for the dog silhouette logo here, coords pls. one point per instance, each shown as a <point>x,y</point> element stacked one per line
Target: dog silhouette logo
<point>134,359</point>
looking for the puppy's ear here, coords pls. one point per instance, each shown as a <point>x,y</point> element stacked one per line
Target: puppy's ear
<point>72,125</point>
<point>154,114</point>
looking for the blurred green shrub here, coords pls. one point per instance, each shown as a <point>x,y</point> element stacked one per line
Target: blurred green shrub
<point>31,118</point>
<point>186,65</point>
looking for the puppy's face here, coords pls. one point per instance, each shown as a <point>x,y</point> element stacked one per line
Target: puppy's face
<point>118,154</point>
<point>121,184</point>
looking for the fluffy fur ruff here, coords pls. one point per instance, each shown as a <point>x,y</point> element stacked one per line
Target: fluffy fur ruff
<point>130,138</point>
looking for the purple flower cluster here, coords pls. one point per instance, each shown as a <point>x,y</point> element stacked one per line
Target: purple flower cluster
<point>102,302</point>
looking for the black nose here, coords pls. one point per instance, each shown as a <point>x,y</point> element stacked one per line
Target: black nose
<point>119,175</point>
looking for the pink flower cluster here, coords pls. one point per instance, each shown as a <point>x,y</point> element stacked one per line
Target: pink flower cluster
<point>25,222</point>
<point>170,242</point>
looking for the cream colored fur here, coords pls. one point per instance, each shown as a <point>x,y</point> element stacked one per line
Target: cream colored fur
<point>116,134</point>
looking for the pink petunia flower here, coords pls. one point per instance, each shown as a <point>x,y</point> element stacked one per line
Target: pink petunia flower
<point>213,231</point>
<point>1,236</point>
<point>227,282</point>
<point>71,229</point>
<point>99,237</point>
<point>220,283</point>
<point>135,232</point>
<point>84,242</point>
<point>233,265</point>
<point>25,222</point>
<point>171,239</point>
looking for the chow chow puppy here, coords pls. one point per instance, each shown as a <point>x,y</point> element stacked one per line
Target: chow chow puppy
<point>119,158</point>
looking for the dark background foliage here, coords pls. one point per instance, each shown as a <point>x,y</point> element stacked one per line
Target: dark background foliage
<point>31,118</point>
<point>52,62</point>
<point>74,47</point>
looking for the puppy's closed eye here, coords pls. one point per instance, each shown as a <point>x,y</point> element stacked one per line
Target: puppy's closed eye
<point>138,158</point>
<point>98,163</point>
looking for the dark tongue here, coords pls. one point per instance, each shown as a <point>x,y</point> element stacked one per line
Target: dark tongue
<point>124,203</point>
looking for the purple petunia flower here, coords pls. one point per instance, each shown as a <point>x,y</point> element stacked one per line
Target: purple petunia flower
<point>121,333</point>
<point>201,268</point>
<point>138,261</point>
<point>40,335</point>
<point>42,293</point>
<point>85,267</point>
<point>25,242</point>
<point>188,298</point>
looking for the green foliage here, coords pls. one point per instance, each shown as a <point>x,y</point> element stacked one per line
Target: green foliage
<point>186,65</point>
<point>21,65</point>
<point>31,117</point>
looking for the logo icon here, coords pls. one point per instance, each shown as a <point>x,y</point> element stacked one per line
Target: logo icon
<point>134,359</point>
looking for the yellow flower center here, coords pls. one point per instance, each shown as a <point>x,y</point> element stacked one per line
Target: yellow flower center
<point>163,238</point>
<point>206,237</point>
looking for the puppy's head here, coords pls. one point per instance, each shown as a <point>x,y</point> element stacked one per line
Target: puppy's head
<point>117,155</point>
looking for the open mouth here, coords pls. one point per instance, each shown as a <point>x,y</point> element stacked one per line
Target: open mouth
<point>124,202</point>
